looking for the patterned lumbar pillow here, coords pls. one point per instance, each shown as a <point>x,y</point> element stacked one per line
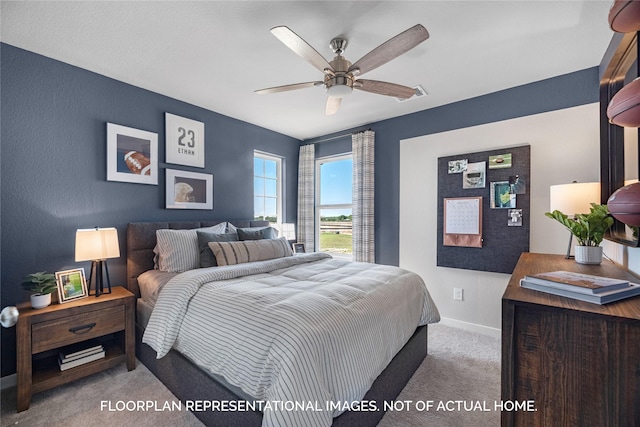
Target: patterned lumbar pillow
<point>230,253</point>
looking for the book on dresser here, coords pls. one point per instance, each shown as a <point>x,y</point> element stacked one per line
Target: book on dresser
<point>577,282</point>
<point>601,297</point>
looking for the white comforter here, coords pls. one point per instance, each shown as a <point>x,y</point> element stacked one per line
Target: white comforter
<point>306,329</point>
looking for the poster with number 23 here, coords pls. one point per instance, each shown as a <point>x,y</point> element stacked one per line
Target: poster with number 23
<point>184,141</point>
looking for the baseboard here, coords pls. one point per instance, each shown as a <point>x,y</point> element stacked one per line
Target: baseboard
<point>473,327</point>
<point>8,381</point>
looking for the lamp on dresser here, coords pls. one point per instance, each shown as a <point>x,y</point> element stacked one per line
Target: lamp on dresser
<point>97,245</point>
<point>573,199</point>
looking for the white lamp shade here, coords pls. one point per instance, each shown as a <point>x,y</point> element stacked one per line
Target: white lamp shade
<point>574,198</point>
<point>287,230</point>
<point>97,244</point>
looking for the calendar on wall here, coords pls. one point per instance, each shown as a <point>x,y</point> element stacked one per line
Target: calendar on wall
<point>463,222</point>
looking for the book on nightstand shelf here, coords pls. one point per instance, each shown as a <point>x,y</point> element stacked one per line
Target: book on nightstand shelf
<point>604,297</point>
<point>74,350</point>
<point>577,282</point>
<point>80,359</point>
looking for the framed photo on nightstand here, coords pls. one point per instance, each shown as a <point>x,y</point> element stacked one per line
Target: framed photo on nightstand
<point>298,248</point>
<point>184,141</point>
<point>71,285</point>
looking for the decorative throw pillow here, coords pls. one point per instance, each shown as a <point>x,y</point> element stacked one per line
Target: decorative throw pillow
<point>230,253</point>
<point>177,250</point>
<point>204,237</point>
<point>257,233</point>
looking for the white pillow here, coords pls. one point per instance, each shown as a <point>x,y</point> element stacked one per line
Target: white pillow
<point>177,250</point>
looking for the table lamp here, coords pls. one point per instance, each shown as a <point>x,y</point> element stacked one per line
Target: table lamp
<point>97,245</point>
<point>288,230</point>
<point>572,199</point>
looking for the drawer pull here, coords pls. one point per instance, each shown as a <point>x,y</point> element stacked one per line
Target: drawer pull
<point>84,328</point>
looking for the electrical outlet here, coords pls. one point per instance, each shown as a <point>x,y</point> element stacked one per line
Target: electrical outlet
<point>457,294</point>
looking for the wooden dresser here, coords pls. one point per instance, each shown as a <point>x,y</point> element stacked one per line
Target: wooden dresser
<point>578,362</point>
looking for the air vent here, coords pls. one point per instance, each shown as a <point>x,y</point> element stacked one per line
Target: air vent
<point>419,92</point>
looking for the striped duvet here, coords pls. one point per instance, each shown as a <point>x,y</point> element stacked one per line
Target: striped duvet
<point>306,329</point>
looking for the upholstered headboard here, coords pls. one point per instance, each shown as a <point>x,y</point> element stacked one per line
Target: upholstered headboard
<point>141,239</point>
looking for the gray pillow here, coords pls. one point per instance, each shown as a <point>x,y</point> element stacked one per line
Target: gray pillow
<point>230,253</point>
<point>206,256</point>
<point>257,233</point>
<point>177,250</point>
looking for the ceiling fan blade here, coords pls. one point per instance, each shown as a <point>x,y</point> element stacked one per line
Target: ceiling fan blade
<point>384,88</point>
<point>301,47</point>
<point>332,105</point>
<point>391,49</point>
<point>286,88</point>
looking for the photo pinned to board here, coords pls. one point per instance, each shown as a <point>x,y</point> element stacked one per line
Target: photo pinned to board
<point>517,184</point>
<point>458,166</point>
<point>515,218</point>
<point>501,197</point>
<point>500,161</point>
<point>475,175</point>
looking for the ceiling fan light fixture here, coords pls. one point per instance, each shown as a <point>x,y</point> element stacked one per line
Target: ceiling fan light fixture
<point>339,86</point>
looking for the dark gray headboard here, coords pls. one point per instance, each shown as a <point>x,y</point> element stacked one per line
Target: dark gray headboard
<point>141,239</point>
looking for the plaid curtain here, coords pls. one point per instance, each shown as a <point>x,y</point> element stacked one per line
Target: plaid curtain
<point>306,197</point>
<point>364,249</point>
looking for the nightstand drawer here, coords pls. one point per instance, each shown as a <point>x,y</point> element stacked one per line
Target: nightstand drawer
<point>80,327</point>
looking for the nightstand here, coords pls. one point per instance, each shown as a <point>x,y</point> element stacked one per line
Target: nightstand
<point>42,333</point>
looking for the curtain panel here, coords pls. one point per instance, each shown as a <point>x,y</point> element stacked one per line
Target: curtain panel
<point>363,144</point>
<point>306,197</point>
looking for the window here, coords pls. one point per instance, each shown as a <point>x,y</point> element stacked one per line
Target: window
<point>267,187</point>
<point>333,205</point>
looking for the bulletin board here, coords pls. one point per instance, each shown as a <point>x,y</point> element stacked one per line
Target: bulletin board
<point>483,209</point>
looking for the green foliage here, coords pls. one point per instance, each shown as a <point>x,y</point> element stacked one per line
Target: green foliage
<point>41,283</point>
<point>337,218</point>
<point>588,228</point>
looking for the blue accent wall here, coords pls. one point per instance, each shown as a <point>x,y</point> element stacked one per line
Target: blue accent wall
<point>53,174</point>
<point>569,90</point>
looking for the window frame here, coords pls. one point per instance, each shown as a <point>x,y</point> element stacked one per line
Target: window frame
<point>279,183</point>
<point>318,207</point>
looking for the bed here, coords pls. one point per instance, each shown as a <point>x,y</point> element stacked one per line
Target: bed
<point>198,299</point>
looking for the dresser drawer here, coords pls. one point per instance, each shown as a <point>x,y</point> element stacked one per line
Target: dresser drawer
<point>79,327</point>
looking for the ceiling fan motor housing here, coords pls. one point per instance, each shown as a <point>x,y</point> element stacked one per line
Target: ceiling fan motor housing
<point>338,81</point>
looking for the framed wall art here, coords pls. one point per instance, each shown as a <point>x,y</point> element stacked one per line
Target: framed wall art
<point>132,155</point>
<point>184,141</point>
<point>189,190</point>
<point>71,285</point>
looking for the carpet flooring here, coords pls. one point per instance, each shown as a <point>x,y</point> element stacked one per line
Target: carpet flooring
<point>460,378</point>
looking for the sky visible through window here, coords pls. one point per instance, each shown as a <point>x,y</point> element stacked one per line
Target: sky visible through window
<point>335,185</point>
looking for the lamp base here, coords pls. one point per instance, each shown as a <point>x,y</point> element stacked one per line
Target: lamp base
<point>96,279</point>
<point>569,256</point>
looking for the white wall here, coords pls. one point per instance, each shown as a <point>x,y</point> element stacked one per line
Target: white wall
<point>564,148</point>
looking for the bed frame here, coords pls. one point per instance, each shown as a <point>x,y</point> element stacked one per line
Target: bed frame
<point>188,382</point>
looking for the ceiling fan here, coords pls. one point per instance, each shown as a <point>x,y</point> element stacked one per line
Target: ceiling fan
<point>340,75</point>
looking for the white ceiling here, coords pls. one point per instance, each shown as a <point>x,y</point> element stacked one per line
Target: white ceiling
<point>214,54</point>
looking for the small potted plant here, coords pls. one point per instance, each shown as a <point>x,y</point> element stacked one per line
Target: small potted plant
<point>589,230</point>
<point>41,285</point>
